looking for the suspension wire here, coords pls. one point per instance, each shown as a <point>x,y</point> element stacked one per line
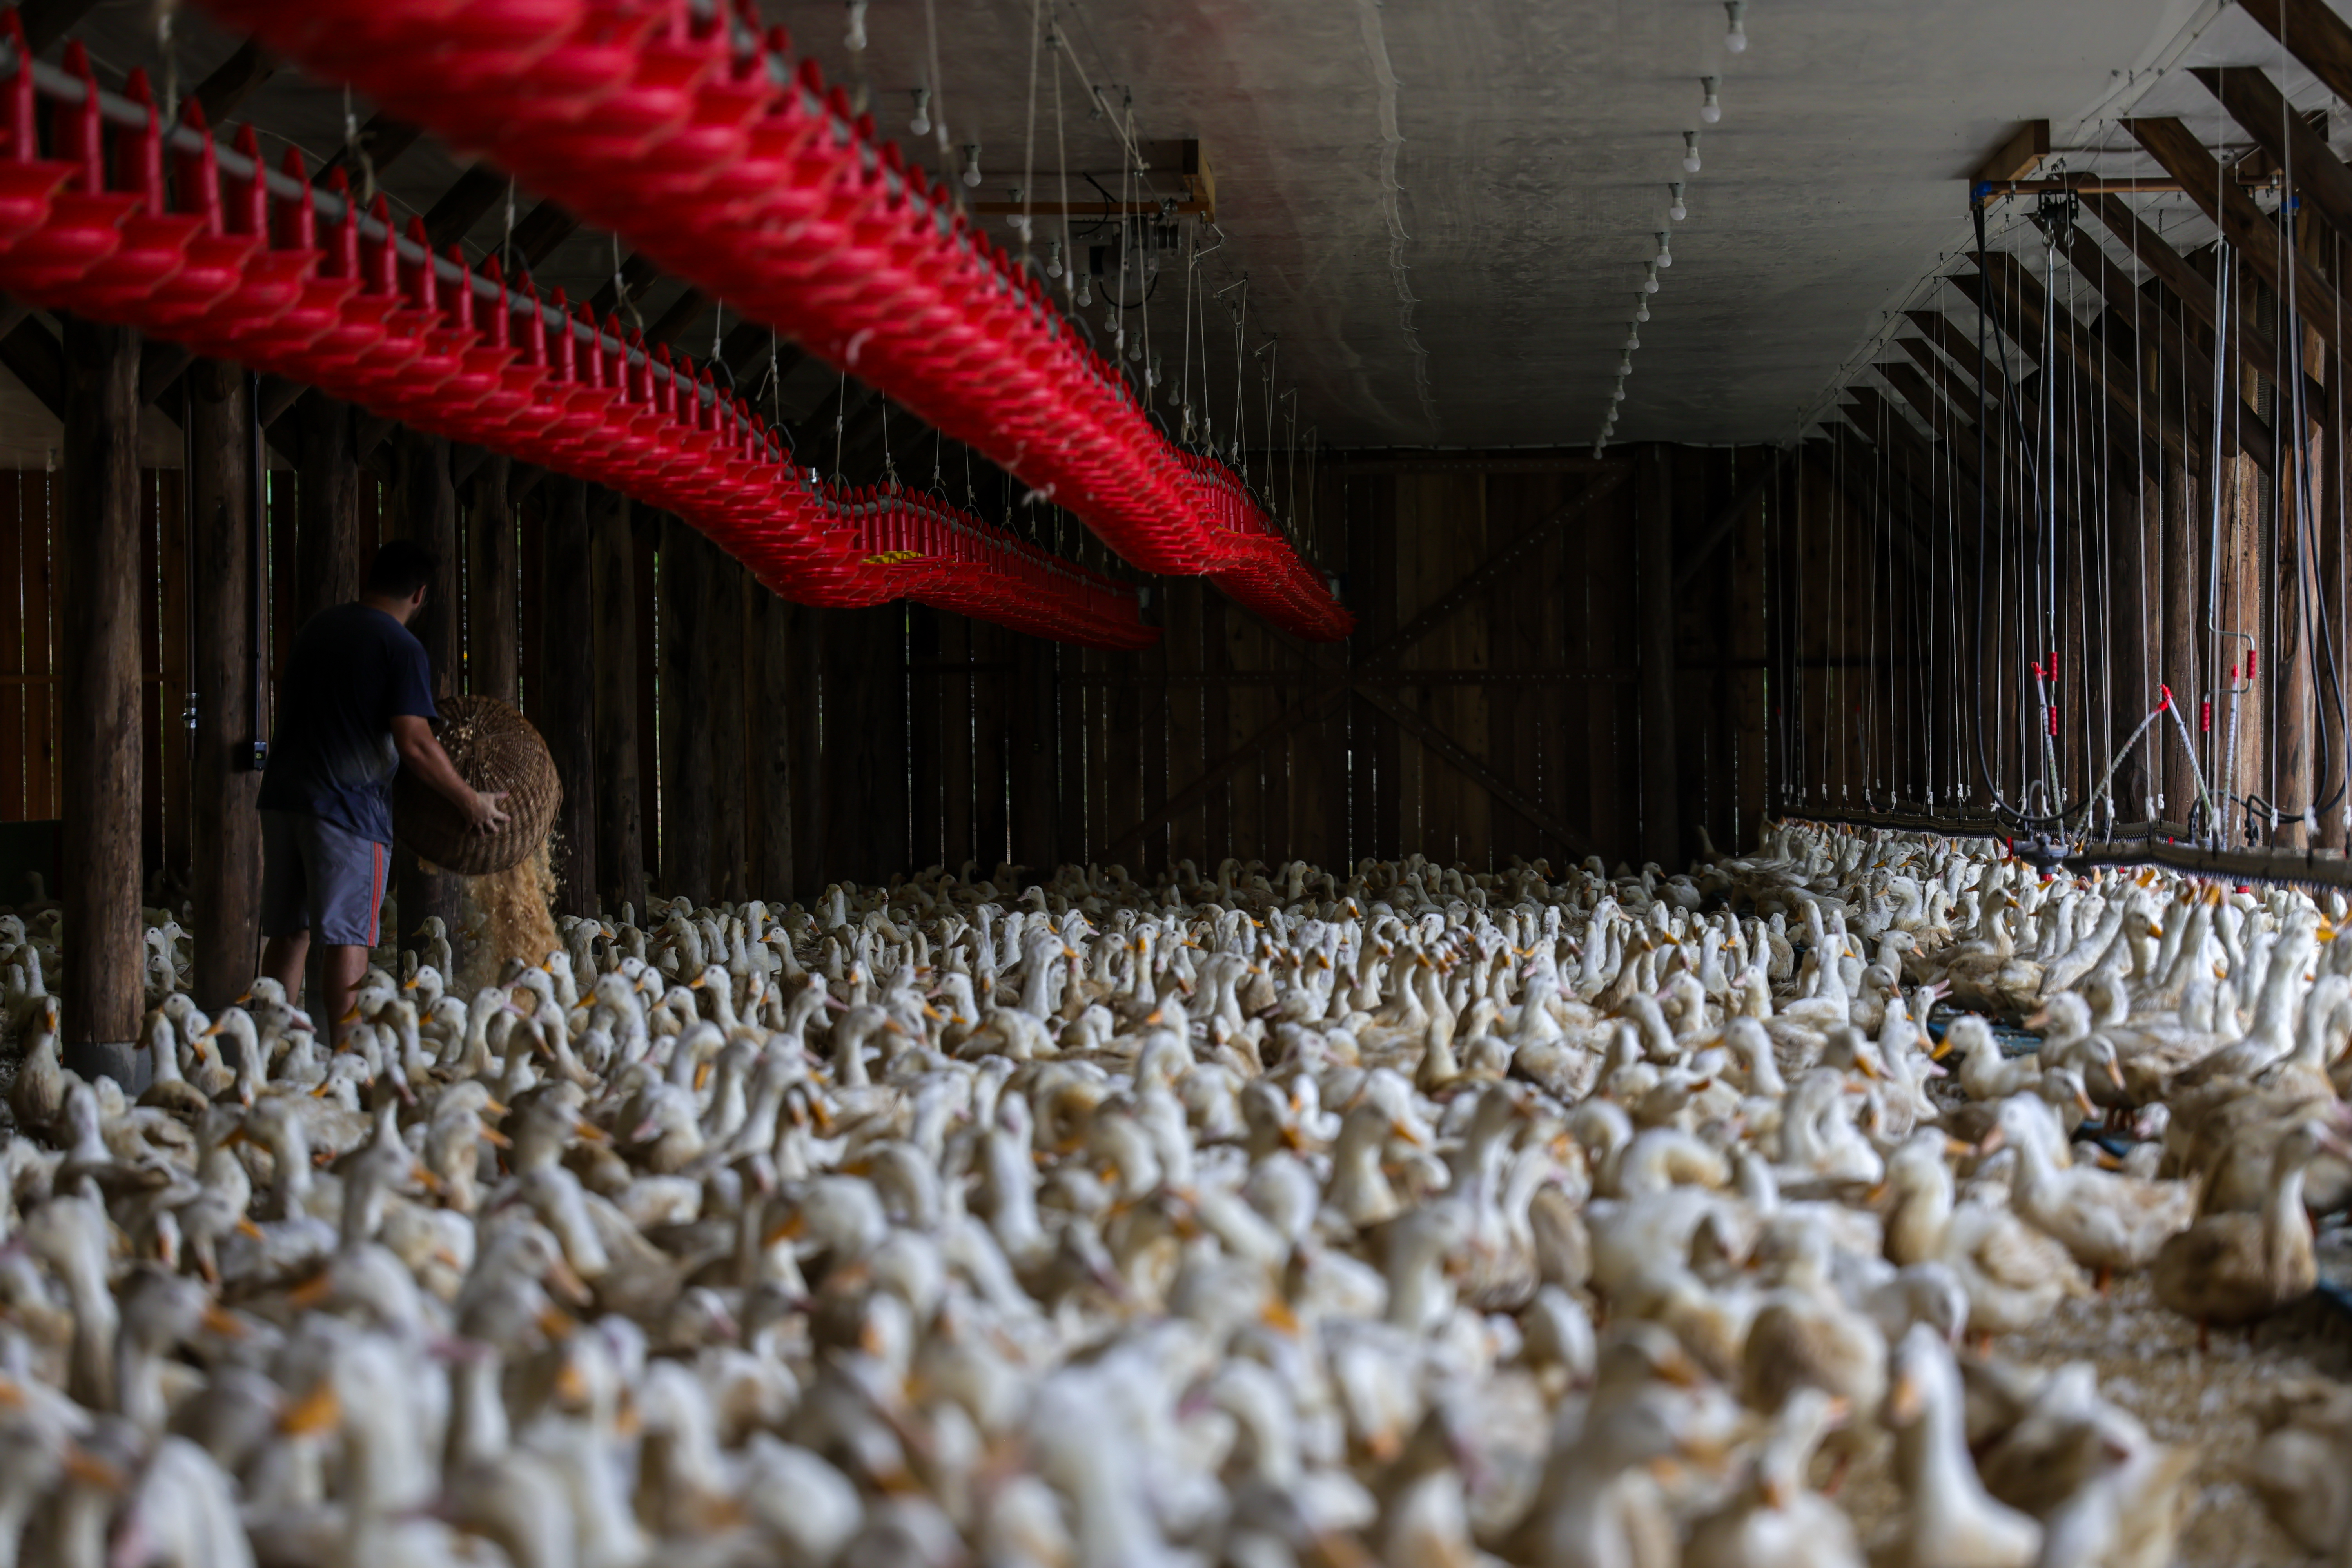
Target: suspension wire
<point>2147,663</point>
<point>2001,805</point>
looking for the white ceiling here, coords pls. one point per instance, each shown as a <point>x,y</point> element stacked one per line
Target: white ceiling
<point>1531,144</point>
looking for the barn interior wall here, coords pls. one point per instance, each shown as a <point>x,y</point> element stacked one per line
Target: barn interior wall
<point>1488,707</point>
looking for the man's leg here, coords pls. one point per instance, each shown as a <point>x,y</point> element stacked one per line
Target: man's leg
<point>341,968</point>
<point>282,958</point>
<point>347,879</point>
<point>285,903</point>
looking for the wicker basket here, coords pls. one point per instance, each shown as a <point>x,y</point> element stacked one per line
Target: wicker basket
<point>495,748</point>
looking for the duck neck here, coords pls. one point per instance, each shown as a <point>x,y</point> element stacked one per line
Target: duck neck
<point>2287,1227</point>
<point>1915,1231</point>
<point>2275,1008</point>
<point>1942,1475</point>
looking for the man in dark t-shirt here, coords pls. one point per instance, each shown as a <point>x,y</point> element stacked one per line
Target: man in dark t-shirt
<point>354,706</point>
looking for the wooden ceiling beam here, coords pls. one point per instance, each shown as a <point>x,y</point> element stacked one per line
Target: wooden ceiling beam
<point>2028,310</point>
<point>463,205</point>
<point>638,273</point>
<point>384,138</point>
<point>2313,33</point>
<point>1913,388</point>
<point>2254,235</point>
<point>2263,111</point>
<point>234,81</point>
<point>2185,357</point>
<point>1940,332</point>
<point>33,354</point>
<point>47,22</point>
<point>538,231</point>
<point>2185,283</point>
<point>683,312</point>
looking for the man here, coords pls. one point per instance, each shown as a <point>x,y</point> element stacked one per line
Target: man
<point>354,706</point>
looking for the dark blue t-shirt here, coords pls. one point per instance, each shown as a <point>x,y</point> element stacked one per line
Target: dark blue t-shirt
<point>352,671</point>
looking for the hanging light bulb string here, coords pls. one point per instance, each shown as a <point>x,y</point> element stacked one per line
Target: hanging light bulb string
<point>1029,142</point>
<point>1066,263</point>
<point>1184,377</point>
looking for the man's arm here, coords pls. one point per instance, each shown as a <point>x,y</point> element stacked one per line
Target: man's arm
<point>423,753</point>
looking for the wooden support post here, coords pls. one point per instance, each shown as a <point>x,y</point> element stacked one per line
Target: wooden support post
<point>327,491</point>
<point>98,551</point>
<point>774,692</point>
<point>1037,742</point>
<point>2335,735</point>
<point>620,805</point>
<point>811,794</point>
<point>686,667</point>
<point>427,504</point>
<point>1655,578</point>
<point>227,881</point>
<point>728,695</point>
<point>568,701</point>
<point>493,663</point>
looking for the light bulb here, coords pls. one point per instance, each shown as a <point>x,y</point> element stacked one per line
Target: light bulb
<point>1134,350</point>
<point>1650,280</point>
<point>1086,291</point>
<point>1625,366</point>
<point>1690,151</point>
<point>971,163</point>
<point>1736,39</point>
<point>1633,341</point>
<point>1665,249</point>
<point>1711,109</point>
<point>921,124</point>
<point>1052,259</point>
<point>857,39</point>
<point>1641,307</point>
<point>1617,393</point>
<point>1675,210</point>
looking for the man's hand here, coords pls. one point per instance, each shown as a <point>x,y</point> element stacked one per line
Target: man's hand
<point>486,816</point>
<point>420,751</point>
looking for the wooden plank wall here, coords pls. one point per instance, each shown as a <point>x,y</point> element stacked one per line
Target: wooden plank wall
<point>1533,677</point>
<point>1845,744</point>
<point>28,655</point>
<point>912,736</point>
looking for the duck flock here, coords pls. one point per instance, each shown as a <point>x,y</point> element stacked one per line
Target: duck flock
<point>1413,1218</point>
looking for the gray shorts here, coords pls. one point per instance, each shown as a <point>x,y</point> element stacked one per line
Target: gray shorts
<point>319,878</point>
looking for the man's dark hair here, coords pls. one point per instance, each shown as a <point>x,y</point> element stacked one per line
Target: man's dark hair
<point>402,566</point>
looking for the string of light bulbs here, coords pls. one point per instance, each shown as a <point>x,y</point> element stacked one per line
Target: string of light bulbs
<point>1710,113</point>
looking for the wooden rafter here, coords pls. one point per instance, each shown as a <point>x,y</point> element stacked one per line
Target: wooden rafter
<point>382,138</point>
<point>2262,111</point>
<point>2227,204</point>
<point>463,205</point>
<point>234,81</point>
<point>2313,33</point>
<point>2178,274</point>
<point>2188,359</point>
<point>2023,299</point>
